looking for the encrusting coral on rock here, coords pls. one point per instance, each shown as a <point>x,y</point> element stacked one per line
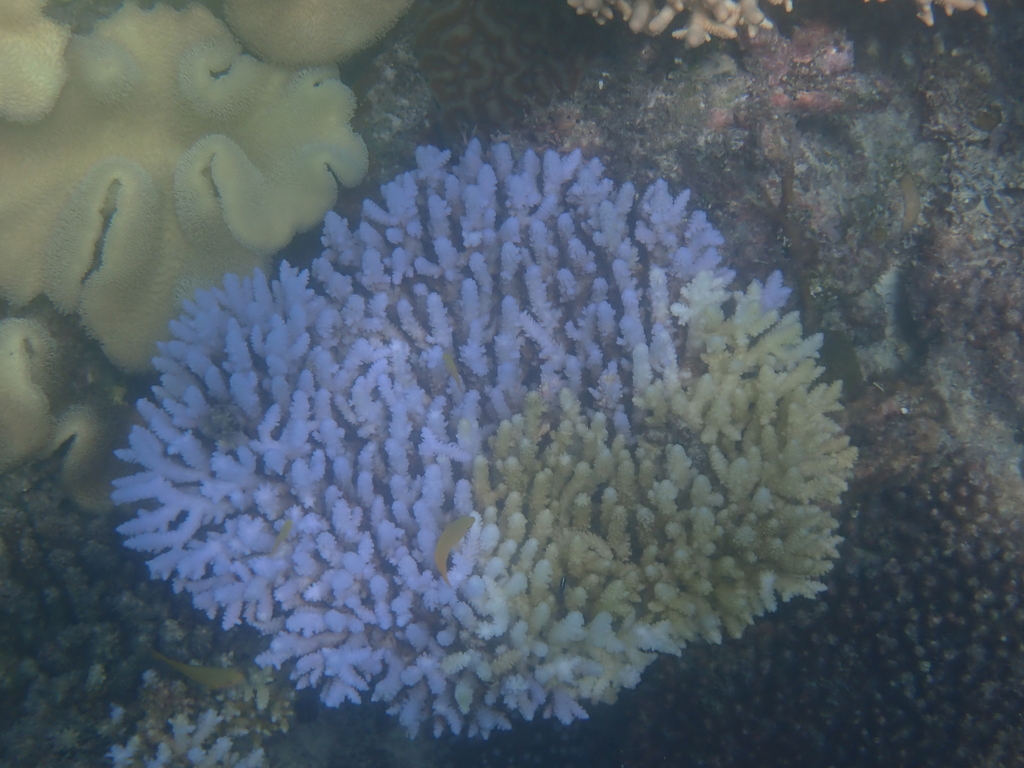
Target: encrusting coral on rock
<point>168,160</point>
<point>645,454</point>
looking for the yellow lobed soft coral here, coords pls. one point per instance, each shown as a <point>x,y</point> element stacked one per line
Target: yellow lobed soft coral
<point>169,160</point>
<point>302,33</point>
<point>26,350</point>
<point>32,69</point>
<point>36,418</point>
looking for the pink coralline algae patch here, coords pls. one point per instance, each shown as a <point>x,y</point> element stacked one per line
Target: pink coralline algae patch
<point>811,73</point>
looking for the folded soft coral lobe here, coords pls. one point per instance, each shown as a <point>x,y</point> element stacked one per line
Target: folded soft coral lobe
<point>116,204</point>
<point>31,60</point>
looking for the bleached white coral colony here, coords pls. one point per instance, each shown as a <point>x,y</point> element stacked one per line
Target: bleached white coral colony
<point>645,452</point>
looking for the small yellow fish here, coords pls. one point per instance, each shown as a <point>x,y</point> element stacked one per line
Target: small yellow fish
<point>211,677</point>
<point>911,202</point>
<point>449,363</point>
<point>450,536</point>
<point>282,535</point>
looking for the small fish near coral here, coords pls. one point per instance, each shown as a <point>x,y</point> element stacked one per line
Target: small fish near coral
<point>211,677</point>
<point>636,456</point>
<point>450,536</point>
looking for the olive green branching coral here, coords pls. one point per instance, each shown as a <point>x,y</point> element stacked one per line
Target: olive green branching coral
<point>188,725</point>
<point>717,509</point>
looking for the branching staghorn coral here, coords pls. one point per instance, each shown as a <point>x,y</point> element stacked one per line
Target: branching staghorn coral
<point>645,452</point>
<point>720,18</point>
<point>924,8</point>
<point>189,727</point>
